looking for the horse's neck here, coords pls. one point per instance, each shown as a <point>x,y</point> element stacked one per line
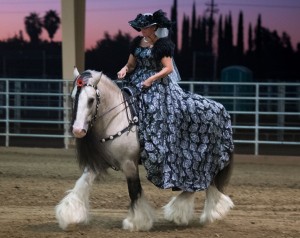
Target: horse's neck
<point>112,109</point>
<point>109,92</point>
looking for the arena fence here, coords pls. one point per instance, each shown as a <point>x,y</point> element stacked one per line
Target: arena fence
<point>36,112</point>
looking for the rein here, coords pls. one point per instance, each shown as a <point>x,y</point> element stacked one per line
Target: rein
<point>131,122</point>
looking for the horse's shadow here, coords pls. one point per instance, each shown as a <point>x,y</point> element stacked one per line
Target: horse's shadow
<point>53,228</point>
<point>99,223</point>
<point>160,225</point>
<point>50,227</point>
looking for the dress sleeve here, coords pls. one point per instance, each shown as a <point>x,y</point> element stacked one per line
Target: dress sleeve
<point>163,47</point>
<point>135,43</point>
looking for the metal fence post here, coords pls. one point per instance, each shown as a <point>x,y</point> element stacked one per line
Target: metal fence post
<point>256,119</point>
<point>7,113</point>
<point>66,112</point>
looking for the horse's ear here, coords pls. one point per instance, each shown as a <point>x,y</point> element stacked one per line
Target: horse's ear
<point>75,72</point>
<point>97,77</point>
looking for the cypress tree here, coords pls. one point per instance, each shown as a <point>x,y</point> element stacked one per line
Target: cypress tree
<point>185,58</point>
<point>220,44</point>
<point>257,64</point>
<point>174,32</point>
<point>240,39</point>
<point>228,45</point>
<point>258,37</point>
<point>193,29</point>
<point>250,39</point>
<point>203,35</point>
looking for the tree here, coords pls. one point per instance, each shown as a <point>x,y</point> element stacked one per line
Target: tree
<point>240,39</point>
<point>198,33</point>
<point>174,32</point>
<point>228,41</point>
<point>194,41</point>
<point>258,47</point>
<point>185,35</point>
<point>211,23</point>
<point>33,26</point>
<point>250,38</point>
<point>109,54</point>
<point>220,44</point>
<point>258,37</point>
<point>185,56</point>
<point>51,23</point>
<point>220,36</point>
<point>203,35</point>
<point>286,42</point>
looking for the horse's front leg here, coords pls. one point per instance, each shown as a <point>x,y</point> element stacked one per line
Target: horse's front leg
<point>74,207</point>
<point>141,215</point>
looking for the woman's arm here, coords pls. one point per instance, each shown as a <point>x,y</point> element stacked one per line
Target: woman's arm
<point>129,67</point>
<point>167,69</point>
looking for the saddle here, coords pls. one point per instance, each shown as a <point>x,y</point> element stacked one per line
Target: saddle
<point>129,94</point>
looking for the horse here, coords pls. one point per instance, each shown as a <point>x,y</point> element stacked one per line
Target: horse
<point>106,137</point>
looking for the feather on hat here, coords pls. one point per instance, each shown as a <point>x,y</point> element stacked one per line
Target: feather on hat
<point>148,19</point>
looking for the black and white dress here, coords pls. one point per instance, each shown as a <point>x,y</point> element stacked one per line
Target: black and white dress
<point>186,139</point>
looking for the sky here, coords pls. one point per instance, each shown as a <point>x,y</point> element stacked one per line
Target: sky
<point>113,15</point>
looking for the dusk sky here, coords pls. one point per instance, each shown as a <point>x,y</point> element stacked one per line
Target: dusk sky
<point>113,15</point>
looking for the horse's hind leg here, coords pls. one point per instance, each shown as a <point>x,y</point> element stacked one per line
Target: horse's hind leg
<point>180,209</point>
<point>217,204</point>
<point>141,215</point>
<point>74,207</point>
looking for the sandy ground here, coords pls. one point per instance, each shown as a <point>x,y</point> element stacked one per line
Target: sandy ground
<point>265,190</point>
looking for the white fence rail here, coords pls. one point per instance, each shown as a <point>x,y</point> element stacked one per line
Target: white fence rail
<point>262,113</point>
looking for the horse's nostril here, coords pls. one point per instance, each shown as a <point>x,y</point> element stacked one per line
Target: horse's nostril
<point>79,133</point>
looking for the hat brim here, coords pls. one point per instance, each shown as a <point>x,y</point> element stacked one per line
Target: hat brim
<point>137,26</point>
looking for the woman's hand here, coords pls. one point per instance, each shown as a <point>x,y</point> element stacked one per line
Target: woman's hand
<point>147,83</point>
<point>166,70</point>
<point>128,68</point>
<point>122,73</point>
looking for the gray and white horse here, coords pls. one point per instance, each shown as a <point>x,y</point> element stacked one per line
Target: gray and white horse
<point>107,138</point>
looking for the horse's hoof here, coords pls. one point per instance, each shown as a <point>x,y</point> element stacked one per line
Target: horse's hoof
<point>128,225</point>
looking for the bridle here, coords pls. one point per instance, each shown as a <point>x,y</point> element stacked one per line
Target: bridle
<point>80,84</point>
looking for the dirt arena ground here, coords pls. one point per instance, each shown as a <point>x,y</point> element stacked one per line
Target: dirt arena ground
<point>265,190</point>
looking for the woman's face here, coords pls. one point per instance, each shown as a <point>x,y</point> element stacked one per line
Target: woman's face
<point>148,31</point>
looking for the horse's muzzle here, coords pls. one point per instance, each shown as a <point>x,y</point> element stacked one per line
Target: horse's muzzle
<point>78,132</point>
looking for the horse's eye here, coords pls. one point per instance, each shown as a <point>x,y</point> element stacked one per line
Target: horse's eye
<point>90,102</point>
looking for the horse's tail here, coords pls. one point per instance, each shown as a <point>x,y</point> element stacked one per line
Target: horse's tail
<point>222,178</point>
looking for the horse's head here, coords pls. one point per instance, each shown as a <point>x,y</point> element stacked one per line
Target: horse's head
<point>86,99</point>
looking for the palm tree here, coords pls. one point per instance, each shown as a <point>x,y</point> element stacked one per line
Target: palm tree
<point>33,25</point>
<point>51,23</point>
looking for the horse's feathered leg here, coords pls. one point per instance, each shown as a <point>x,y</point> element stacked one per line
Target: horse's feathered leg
<point>217,204</point>
<point>140,216</point>
<point>180,209</point>
<point>74,207</point>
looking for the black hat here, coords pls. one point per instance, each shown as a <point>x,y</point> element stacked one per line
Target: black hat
<point>149,19</point>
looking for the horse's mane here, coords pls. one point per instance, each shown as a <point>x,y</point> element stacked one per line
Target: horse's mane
<point>91,152</point>
<point>110,84</point>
